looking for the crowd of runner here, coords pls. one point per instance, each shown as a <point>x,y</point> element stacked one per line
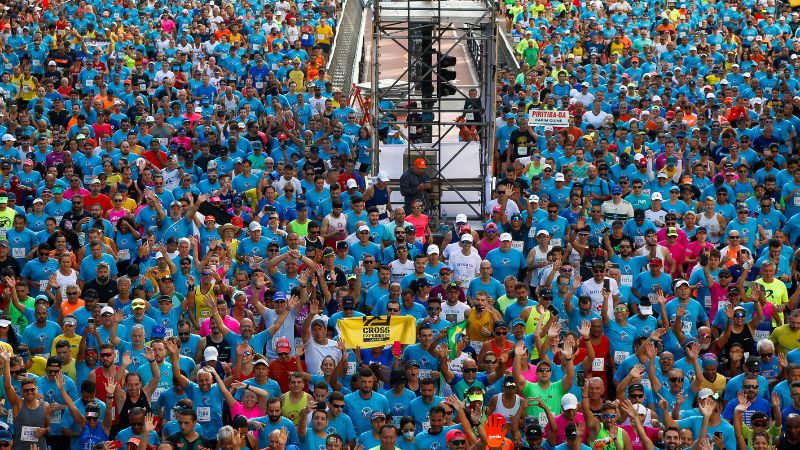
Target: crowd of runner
<point>189,207</point>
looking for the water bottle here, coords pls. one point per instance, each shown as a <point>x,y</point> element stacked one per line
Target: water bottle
<point>443,228</point>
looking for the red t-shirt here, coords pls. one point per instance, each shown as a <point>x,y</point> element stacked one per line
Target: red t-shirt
<point>101,199</point>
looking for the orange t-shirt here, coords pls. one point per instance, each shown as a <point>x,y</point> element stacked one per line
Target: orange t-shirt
<point>67,308</point>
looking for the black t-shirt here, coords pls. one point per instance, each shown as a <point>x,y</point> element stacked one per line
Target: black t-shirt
<point>523,142</point>
<point>105,292</point>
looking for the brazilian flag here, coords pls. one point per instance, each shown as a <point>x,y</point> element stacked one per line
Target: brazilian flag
<point>454,333</point>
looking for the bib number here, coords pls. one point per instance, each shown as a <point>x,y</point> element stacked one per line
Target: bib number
<point>597,364</point>
<point>29,434</point>
<point>619,356</point>
<point>18,253</point>
<point>626,280</point>
<point>204,414</point>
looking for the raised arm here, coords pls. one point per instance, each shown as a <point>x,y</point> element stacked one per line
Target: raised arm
<point>174,357</point>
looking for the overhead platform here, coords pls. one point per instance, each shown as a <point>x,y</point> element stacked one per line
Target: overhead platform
<point>462,11</point>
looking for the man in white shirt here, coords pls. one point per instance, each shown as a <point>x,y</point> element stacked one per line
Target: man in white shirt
<point>594,287</point>
<point>466,263</point>
<point>317,344</point>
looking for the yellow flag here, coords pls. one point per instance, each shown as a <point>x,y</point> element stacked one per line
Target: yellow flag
<point>377,331</point>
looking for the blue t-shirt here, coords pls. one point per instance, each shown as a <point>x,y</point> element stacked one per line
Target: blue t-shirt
<point>360,410</point>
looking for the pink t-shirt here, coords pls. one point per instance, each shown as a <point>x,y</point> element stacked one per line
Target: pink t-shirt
<point>484,247</point>
<point>251,413</point>
<point>651,433</point>
<point>561,424</point>
<point>420,223</point>
<point>230,322</point>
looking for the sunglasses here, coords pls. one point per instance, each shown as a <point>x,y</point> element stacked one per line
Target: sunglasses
<point>393,309</point>
<point>108,355</point>
<point>676,380</point>
<point>635,396</point>
<point>472,370</point>
<point>543,369</point>
<point>608,416</point>
<point>490,361</point>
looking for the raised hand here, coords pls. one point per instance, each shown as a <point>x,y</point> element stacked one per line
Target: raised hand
<point>299,349</point>
<point>111,387</point>
<point>585,328</point>
<point>59,380</point>
<point>776,399</point>
<point>126,359</point>
<point>149,423</point>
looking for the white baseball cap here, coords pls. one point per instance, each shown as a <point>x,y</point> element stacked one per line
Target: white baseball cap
<point>506,237</point>
<point>433,249</point>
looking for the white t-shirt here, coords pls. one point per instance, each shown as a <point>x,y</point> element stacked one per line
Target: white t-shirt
<point>594,290</point>
<point>465,267</point>
<point>315,353</point>
<point>455,313</point>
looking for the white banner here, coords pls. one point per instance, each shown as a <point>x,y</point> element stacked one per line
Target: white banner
<point>541,118</point>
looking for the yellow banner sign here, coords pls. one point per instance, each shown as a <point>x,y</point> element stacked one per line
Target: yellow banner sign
<point>377,331</point>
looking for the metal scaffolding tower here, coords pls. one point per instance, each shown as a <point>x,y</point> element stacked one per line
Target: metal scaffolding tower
<point>427,107</point>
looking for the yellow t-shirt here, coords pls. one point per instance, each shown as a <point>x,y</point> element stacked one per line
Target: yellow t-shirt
<point>324,33</point>
<point>784,338</point>
<point>718,385</point>
<point>74,344</point>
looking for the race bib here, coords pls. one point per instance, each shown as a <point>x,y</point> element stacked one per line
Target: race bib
<point>598,364</point>
<point>305,37</point>
<point>351,367</point>
<point>29,434</point>
<point>43,284</point>
<point>620,356</point>
<point>396,421</point>
<point>761,335</point>
<point>256,47</point>
<point>89,83</point>
<point>646,383</point>
<point>157,393</point>
<point>168,332</point>
<point>470,117</point>
<point>3,232</point>
<point>555,242</point>
<point>519,245</point>
<point>797,201</point>
<point>477,345</point>
<point>259,84</point>
<point>626,280</point>
<point>424,373</point>
<point>204,414</point>
<point>321,37</point>
<point>18,253</point>
<point>542,419</point>
<point>55,417</point>
<point>638,241</point>
<point>686,326</point>
<point>124,254</point>
<point>707,301</point>
<point>163,141</point>
<point>425,426</point>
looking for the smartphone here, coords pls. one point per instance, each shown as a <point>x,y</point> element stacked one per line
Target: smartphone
<point>703,259</point>
<point>553,310</point>
<point>607,284</point>
<point>615,266</point>
<point>581,378</point>
<point>718,434</point>
<point>116,444</point>
<point>91,321</point>
<point>396,348</point>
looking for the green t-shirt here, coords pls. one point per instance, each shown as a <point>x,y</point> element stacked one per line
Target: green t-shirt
<point>747,434</point>
<point>550,396</point>
<point>18,319</point>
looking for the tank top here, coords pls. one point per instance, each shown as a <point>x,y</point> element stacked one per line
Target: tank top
<point>292,410</point>
<point>710,224</point>
<point>615,444</point>
<point>101,381</point>
<point>124,419</point>
<point>300,228</point>
<point>26,418</point>
<point>339,224</point>
<point>500,408</point>
<point>224,349</point>
<point>89,437</point>
<point>380,197</point>
<point>745,338</point>
<point>201,310</point>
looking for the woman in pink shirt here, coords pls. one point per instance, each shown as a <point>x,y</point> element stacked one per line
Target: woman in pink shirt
<point>254,399</point>
<point>421,223</point>
<point>695,246</point>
